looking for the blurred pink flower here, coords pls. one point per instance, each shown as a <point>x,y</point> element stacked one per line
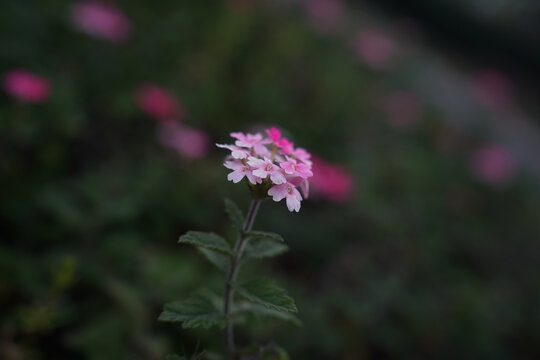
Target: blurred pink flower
<point>493,89</point>
<point>26,86</point>
<point>493,164</point>
<point>189,142</point>
<point>157,102</point>
<point>403,109</point>
<point>101,20</point>
<point>333,182</point>
<point>324,15</point>
<point>375,48</point>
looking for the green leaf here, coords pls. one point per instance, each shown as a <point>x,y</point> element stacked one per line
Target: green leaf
<point>196,311</point>
<point>235,214</point>
<point>206,240</point>
<point>221,261</point>
<point>262,311</point>
<point>265,292</point>
<point>262,248</point>
<point>264,235</point>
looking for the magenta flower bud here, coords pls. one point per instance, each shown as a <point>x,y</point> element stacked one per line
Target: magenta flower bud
<point>26,86</point>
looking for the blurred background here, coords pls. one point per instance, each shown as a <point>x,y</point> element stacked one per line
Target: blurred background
<point>421,235</point>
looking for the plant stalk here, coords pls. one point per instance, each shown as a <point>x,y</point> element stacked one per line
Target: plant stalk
<point>233,272</point>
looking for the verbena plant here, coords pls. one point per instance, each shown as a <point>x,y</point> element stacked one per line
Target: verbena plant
<point>274,168</point>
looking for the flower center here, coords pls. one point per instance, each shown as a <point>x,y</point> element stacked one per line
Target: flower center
<point>268,167</point>
<point>289,189</point>
<point>246,168</point>
<point>293,166</point>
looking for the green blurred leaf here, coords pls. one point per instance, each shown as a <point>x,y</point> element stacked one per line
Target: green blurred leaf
<point>263,247</point>
<point>258,310</point>
<point>235,214</point>
<point>264,352</point>
<point>100,337</point>
<point>265,292</point>
<point>196,311</point>
<point>221,261</point>
<point>264,235</point>
<point>207,240</point>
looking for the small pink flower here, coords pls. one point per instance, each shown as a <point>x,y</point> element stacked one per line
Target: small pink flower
<point>302,155</point>
<point>333,182</point>
<point>240,171</point>
<point>189,142</point>
<point>493,164</point>
<point>101,20</point>
<point>289,192</point>
<point>403,109</point>
<point>285,145</point>
<point>292,167</point>
<point>274,133</point>
<point>254,141</point>
<point>302,183</point>
<point>375,48</point>
<point>236,152</point>
<point>26,86</point>
<point>264,168</point>
<point>157,102</point>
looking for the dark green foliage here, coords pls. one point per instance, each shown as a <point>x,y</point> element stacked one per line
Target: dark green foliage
<point>235,214</point>
<point>196,311</point>
<point>261,311</point>
<point>174,357</point>
<point>264,235</point>
<point>264,352</point>
<point>263,247</point>
<point>221,261</point>
<point>422,260</point>
<point>263,291</point>
<point>206,240</point>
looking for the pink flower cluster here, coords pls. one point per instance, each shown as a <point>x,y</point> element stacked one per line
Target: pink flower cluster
<point>270,162</point>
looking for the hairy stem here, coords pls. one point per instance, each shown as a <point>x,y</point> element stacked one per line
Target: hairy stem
<point>233,272</point>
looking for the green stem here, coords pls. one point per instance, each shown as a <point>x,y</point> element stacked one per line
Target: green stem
<point>233,272</point>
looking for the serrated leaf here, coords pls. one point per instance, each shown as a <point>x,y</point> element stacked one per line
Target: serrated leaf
<point>220,260</point>
<point>258,310</point>
<point>206,240</point>
<point>265,292</point>
<point>235,214</point>
<point>196,311</point>
<point>264,235</point>
<point>262,248</point>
